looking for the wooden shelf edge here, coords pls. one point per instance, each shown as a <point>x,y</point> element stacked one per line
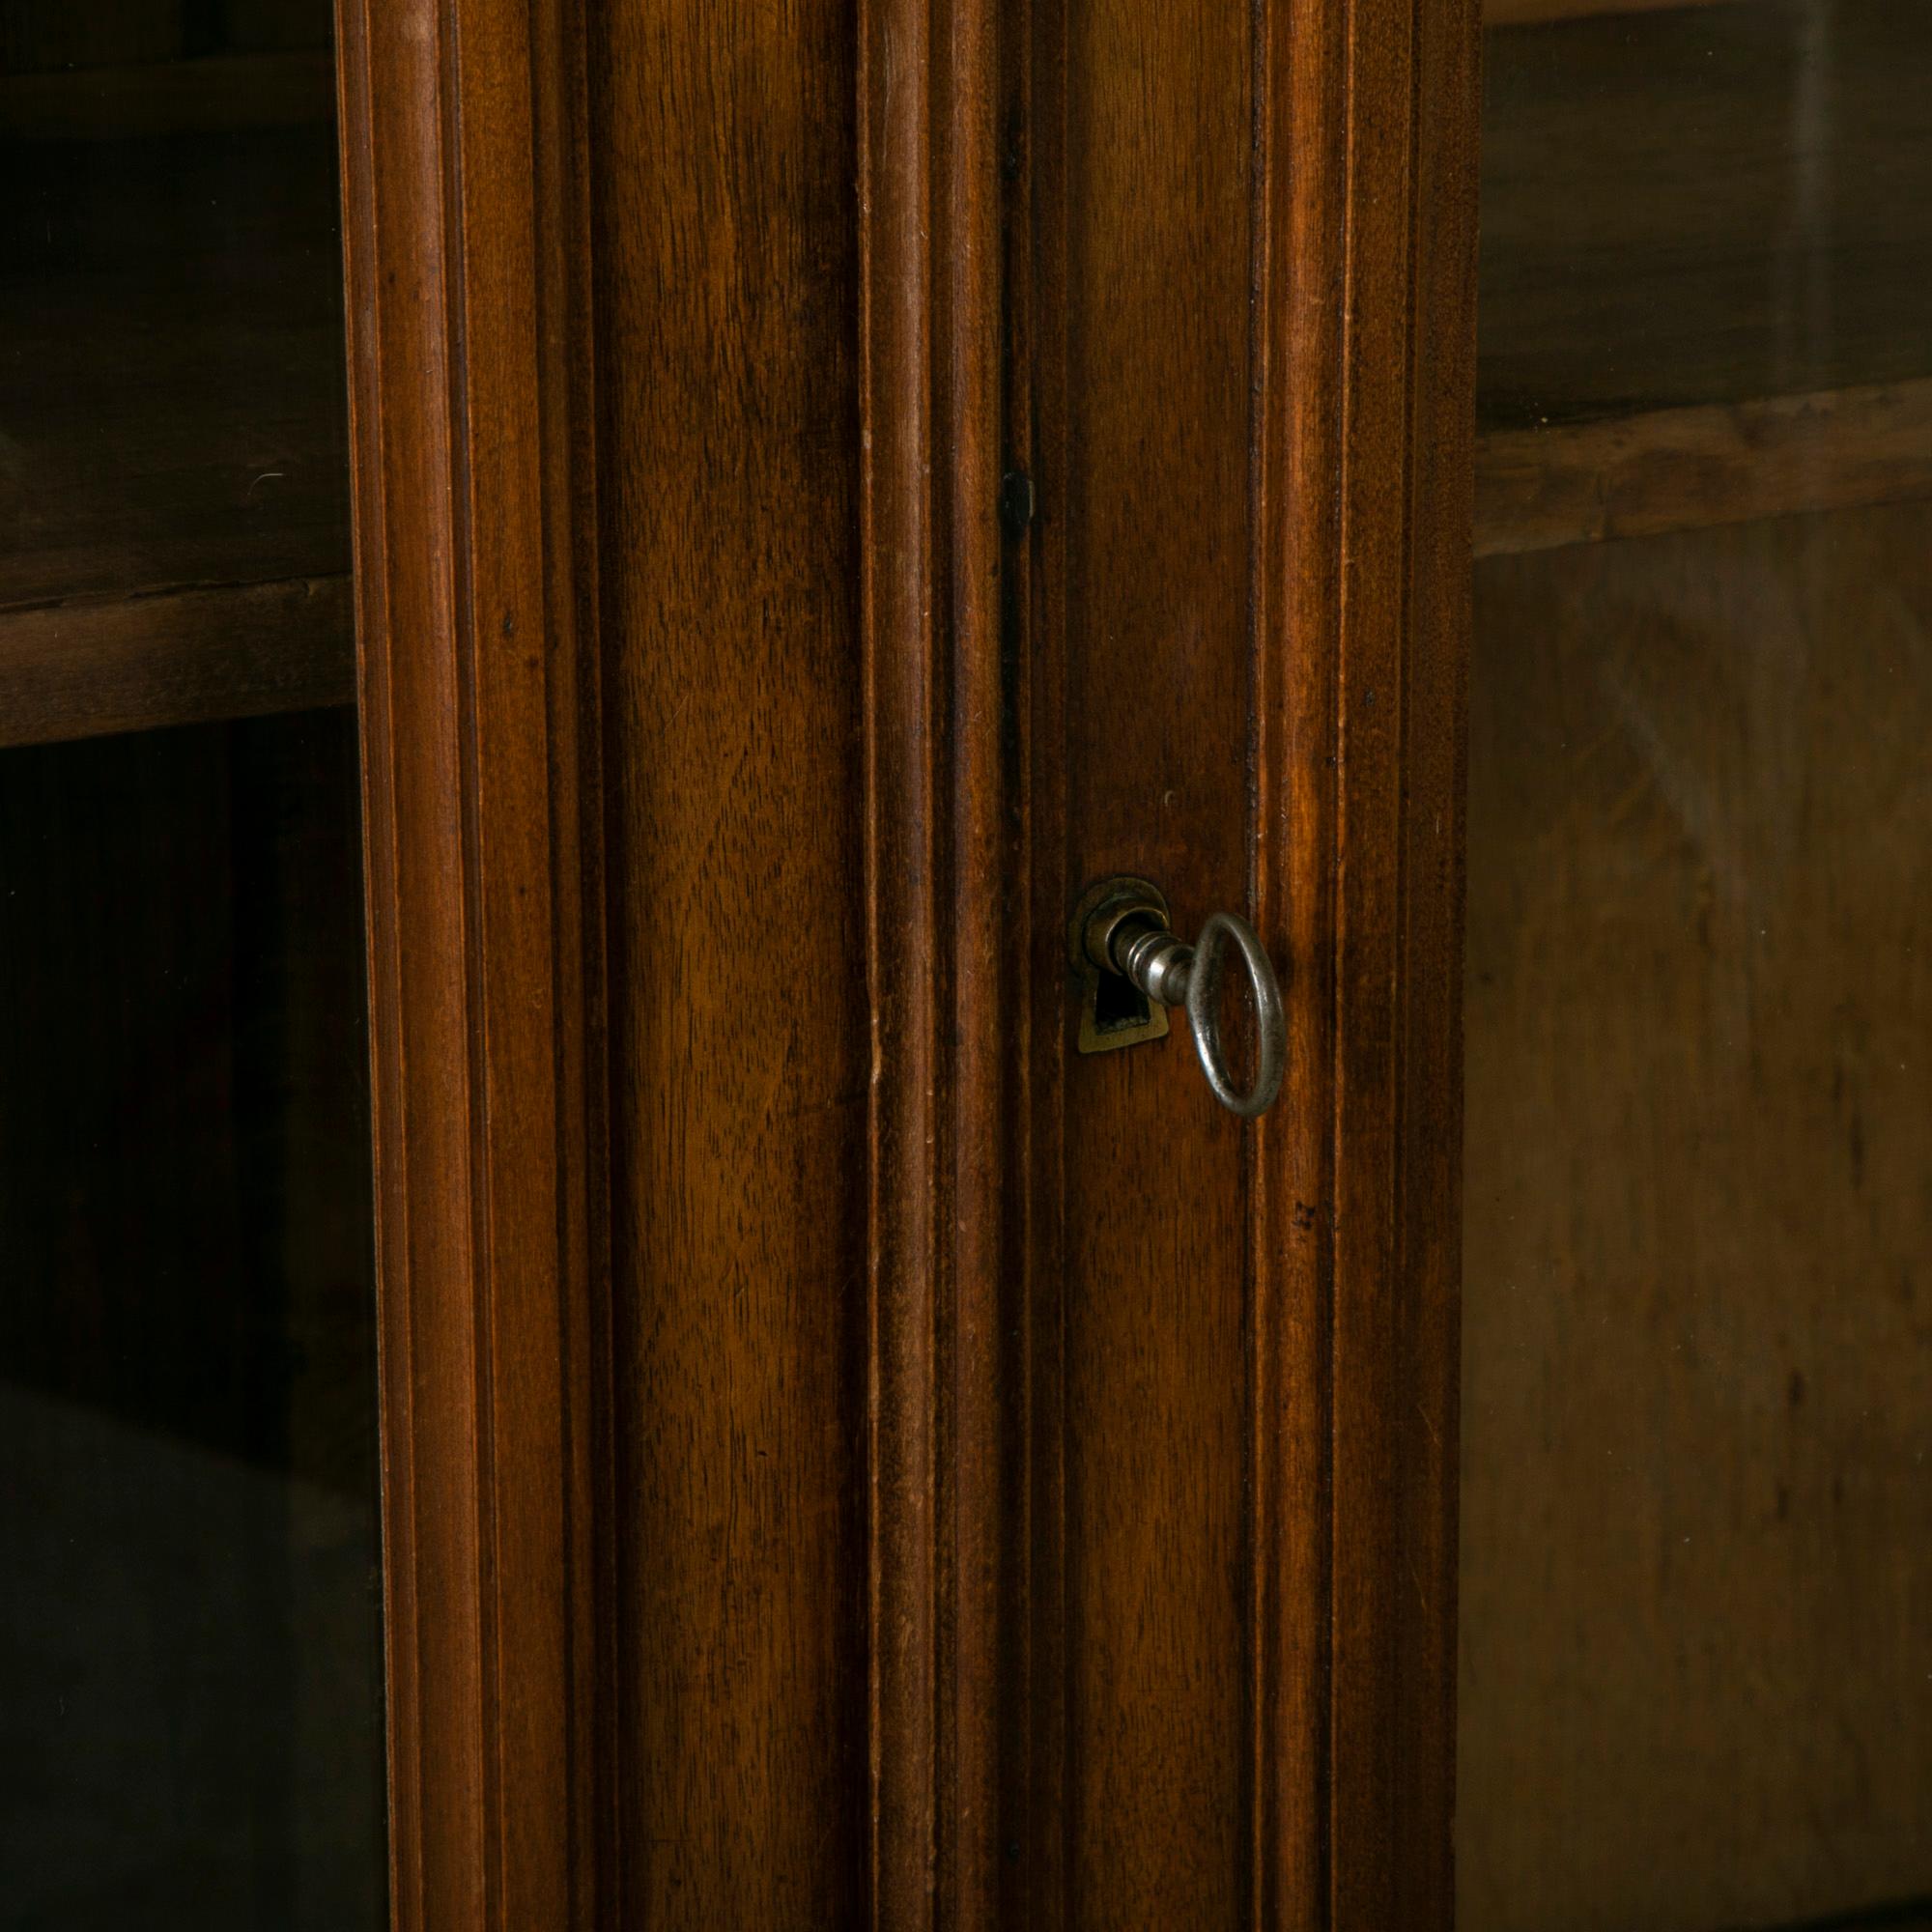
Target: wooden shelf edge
<point>1540,13</point>
<point>1676,469</point>
<point>219,93</point>
<point>86,670</point>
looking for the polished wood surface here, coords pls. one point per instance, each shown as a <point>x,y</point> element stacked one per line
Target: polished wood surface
<point>1174,1751</point>
<point>724,157</point>
<point>942,788</point>
<point>1693,1504</point>
<point>1359,828</point>
<point>469,379</point>
<point>1247,1378</point>
<point>1698,1378</point>
<point>989,1487</point>
<point>1146,489</point>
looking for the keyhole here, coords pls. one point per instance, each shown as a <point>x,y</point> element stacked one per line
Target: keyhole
<point>1118,1003</point>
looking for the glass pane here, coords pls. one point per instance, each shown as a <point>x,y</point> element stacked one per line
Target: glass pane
<point>191,1646</point>
<point>1697,1525</point>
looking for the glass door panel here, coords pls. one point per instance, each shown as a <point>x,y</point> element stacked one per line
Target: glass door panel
<point>1697,1519</point>
<point>191,1652</point>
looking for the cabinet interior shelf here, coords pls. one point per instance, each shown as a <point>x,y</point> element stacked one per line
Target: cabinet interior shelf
<point>93,666</point>
<point>1706,285</point>
<point>1522,13</point>
<point>174,526</point>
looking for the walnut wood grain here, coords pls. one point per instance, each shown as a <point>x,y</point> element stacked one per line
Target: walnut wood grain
<point>134,664</point>
<point>470,386</point>
<point>1025,1500</point>
<point>1254,378</point>
<point>1146,481</point>
<point>906,519</point>
<point>943,949</point>
<point>1410,1671</point>
<point>723,161</point>
<point>1301,250</point>
<point>1364,482</point>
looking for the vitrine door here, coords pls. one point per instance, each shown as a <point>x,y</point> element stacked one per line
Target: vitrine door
<point>191,1709</point>
<point>827,487</point>
<point>835,482</point>
<point>832,484</point>
<point>1697,1373</point>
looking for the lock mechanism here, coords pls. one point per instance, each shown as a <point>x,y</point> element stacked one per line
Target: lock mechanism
<point>1133,967</point>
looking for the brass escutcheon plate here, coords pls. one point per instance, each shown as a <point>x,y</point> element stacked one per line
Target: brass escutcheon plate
<point>1113,1011</point>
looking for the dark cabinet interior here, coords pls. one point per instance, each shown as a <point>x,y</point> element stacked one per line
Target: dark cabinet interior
<point>174,526</point>
<point>192,1717</point>
<point>1704,297</point>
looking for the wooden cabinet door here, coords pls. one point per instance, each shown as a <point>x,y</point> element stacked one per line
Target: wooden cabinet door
<point>835,480</point>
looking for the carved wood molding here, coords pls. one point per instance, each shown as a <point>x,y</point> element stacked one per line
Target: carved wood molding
<point>1366,345</point>
<point>470,268</point>
<point>940,956</point>
<point>470,386</point>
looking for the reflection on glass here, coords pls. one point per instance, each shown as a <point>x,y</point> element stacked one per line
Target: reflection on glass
<point>1698,1450</point>
<point>1696,1566</point>
<point>191,1682</point>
